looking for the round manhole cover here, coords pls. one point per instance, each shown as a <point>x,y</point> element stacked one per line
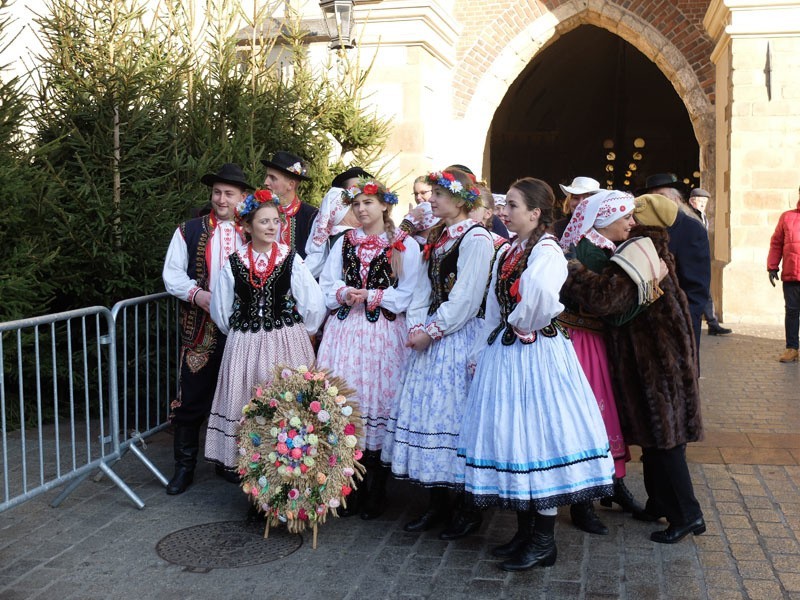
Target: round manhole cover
<point>226,545</point>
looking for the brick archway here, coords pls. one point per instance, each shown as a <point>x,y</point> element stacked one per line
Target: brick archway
<point>492,56</point>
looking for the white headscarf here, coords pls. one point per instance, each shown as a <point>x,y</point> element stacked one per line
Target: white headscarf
<point>426,221</point>
<point>332,210</point>
<point>597,211</point>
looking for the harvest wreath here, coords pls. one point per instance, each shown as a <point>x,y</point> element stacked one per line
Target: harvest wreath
<point>298,448</point>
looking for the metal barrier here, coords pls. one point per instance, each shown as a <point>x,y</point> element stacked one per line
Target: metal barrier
<point>62,437</point>
<point>148,348</point>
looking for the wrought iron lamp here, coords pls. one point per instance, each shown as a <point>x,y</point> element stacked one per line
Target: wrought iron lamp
<point>339,22</point>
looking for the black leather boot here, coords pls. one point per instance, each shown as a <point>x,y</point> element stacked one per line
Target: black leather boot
<point>510,548</point>
<point>465,521</point>
<point>438,511</point>
<point>539,549</point>
<point>376,500</point>
<point>584,517</point>
<point>228,474</point>
<point>623,497</point>
<point>185,446</point>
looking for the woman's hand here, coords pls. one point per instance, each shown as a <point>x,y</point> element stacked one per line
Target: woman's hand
<point>419,341</point>
<point>355,296</point>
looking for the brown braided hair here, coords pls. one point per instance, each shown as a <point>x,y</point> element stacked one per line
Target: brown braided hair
<point>536,194</point>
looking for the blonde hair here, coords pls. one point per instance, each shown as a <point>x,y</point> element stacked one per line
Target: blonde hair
<point>466,181</point>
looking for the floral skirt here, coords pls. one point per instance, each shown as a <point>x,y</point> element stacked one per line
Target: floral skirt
<point>422,432</point>
<point>371,357</point>
<point>591,350</point>
<point>532,437</point>
<point>249,360</point>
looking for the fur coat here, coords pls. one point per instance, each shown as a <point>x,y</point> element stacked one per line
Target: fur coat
<point>652,357</point>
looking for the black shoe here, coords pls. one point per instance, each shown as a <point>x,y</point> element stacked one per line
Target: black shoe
<point>623,497</point>
<point>513,546</point>
<point>229,475</point>
<point>466,522</point>
<point>719,330</point>
<point>438,511</point>
<point>181,480</point>
<point>539,548</point>
<point>672,535</point>
<point>584,517</point>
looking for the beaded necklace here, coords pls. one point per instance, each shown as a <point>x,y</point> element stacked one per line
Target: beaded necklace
<point>261,274</point>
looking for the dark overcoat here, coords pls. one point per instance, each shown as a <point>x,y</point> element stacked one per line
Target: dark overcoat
<point>652,357</point>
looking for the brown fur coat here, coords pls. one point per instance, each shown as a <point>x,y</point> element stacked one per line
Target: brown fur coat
<point>652,357</point>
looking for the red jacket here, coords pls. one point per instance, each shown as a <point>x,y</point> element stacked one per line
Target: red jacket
<point>785,246</point>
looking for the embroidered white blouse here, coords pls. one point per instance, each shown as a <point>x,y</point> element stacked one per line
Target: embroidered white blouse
<point>305,289</point>
<point>464,301</point>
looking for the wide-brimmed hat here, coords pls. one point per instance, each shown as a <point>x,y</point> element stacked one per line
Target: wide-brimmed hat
<point>229,173</point>
<point>662,180</point>
<point>340,179</point>
<point>581,185</point>
<point>288,163</point>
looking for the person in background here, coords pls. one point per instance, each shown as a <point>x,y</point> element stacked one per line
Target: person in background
<point>196,255</point>
<point>332,220</point>
<point>784,249</point>
<point>285,173</point>
<point>698,200</point>
<point>422,190</point>
<point>580,189</point>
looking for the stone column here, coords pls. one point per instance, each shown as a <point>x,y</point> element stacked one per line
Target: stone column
<point>757,58</point>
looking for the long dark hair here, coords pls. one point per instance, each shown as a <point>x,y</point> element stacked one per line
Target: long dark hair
<point>536,194</point>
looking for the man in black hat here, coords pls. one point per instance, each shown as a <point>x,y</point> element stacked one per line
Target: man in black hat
<point>285,173</point>
<point>197,253</point>
<point>688,242</point>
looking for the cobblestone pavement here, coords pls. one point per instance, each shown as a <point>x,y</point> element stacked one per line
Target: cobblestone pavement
<point>97,545</point>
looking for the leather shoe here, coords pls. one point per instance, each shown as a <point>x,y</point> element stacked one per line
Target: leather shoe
<point>181,480</point>
<point>430,518</point>
<point>719,331</point>
<point>584,517</point>
<point>789,355</point>
<point>672,535</point>
<point>466,522</point>
<point>227,474</point>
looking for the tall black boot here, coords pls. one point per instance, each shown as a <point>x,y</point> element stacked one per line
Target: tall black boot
<point>623,497</point>
<point>437,512</point>
<point>185,446</point>
<point>539,548</point>
<point>465,521</point>
<point>375,502</point>
<point>510,548</point>
<point>584,517</point>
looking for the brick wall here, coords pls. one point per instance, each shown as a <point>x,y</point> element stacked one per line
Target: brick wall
<point>489,25</point>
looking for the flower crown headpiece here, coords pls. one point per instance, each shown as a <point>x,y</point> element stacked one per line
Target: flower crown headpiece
<point>447,180</point>
<point>253,201</point>
<point>371,187</point>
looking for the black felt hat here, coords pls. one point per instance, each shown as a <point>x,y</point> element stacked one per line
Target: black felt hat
<point>288,163</point>
<point>662,180</point>
<point>229,173</point>
<point>339,180</point>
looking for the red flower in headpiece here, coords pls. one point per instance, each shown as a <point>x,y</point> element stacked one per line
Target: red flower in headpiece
<point>448,176</point>
<point>263,196</point>
<point>514,290</point>
<point>370,188</point>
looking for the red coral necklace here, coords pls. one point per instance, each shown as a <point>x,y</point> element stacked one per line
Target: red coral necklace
<point>261,274</point>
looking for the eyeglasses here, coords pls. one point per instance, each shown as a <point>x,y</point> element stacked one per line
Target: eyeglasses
<point>423,194</point>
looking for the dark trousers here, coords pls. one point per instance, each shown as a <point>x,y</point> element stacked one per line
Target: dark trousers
<point>670,492</point>
<point>197,385</point>
<point>710,315</point>
<point>791,298</point>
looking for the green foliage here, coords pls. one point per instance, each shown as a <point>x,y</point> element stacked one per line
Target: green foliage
<point>129,110</point>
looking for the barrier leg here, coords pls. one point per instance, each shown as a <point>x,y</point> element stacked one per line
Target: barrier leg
<point>149,464</point>
<point>69,489</point>
<point>122,485</point>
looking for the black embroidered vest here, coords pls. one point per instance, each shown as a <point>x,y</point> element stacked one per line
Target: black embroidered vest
<point>443,272</point>
<point>379,277</point>
<point>196,233</point>
<point>508,303</point>
<point>270,307</point>
<point>499,242</point>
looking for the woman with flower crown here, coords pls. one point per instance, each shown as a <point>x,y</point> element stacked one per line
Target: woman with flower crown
<point>421,436</point>
<point>532,438</point>
<point>268,304</point>
<point>368,281</point>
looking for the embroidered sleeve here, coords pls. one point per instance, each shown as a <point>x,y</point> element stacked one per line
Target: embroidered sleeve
<point>433,330</point>
<point>374,299</point>
<point>193,293</point>
<point>341,295</point>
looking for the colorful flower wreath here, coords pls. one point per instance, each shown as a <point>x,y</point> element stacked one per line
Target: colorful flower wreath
<point>253,201</point>
<point>298,447</point>
<point>448,181</point>
<point>371,187</point>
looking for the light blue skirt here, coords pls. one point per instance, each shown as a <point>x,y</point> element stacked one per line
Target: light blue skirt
<point>533,436</point>
<point>422,432</point>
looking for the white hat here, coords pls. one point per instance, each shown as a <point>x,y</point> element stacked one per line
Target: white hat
<point>581,185</point>
<point>499,199</point>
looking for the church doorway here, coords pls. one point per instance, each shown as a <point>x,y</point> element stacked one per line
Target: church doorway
<point>591,104</point>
